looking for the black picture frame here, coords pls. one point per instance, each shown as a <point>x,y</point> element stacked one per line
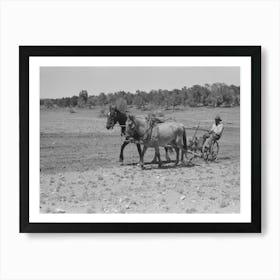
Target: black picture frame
<point>25,52</point>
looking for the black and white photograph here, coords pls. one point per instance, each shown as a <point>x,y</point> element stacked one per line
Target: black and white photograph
<point>140,139</point>
<point>126,136</point>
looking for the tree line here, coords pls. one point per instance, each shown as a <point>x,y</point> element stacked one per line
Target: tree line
<point>215,95</point>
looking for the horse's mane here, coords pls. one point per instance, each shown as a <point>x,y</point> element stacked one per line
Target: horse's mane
<point>126,112</point>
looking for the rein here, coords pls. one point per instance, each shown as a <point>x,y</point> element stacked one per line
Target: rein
<point>148,132</point>
<point>122,125</point>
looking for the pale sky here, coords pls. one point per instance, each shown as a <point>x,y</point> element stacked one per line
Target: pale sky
<point>57,82</point>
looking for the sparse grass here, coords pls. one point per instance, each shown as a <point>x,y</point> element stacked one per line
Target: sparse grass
<point>72,110</point>
<point>224,204</point>
<point>102,113</point>
<point>100,177</point>
<point>191,210</point>
<point>91,210</point>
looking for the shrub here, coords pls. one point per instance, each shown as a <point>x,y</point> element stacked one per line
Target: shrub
<point>159,113</point>
<point>121,104</point>
<point>102,113</point>
<point>72,110</point>
<point>49,103</point>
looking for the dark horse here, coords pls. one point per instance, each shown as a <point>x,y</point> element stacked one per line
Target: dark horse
<point>115,116</point>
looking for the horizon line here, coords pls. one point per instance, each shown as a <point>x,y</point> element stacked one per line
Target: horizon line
<point>135,92</point>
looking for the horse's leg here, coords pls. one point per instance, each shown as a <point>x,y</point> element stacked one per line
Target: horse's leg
<point>155,158</point>
<point>158,156</point>
<point>142,156</point>
<point>167,155</point>
<point>124,144</point>
<point>139,150</point>
<point>177,150</point>
<point>183,153</point>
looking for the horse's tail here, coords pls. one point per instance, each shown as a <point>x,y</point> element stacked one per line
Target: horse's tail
<point>184,139</point>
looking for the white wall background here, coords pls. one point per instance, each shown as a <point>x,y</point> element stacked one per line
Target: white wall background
<point>124,256</point>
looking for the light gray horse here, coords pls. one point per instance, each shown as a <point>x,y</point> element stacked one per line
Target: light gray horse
<point>160,135</point>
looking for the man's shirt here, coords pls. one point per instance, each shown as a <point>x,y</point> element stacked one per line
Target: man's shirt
<point>218,129</point>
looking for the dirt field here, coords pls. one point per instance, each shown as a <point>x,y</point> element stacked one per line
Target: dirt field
<point>80,172</point>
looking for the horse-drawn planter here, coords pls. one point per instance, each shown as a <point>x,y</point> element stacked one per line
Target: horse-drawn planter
<point>195,147</point>
<point>168,134</point>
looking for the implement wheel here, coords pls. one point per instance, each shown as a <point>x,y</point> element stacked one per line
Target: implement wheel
<point>214,150</point>
<point>211,154</point>
<point>205,153</point>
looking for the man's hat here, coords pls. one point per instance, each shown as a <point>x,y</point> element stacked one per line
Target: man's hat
<point>218,118</point>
